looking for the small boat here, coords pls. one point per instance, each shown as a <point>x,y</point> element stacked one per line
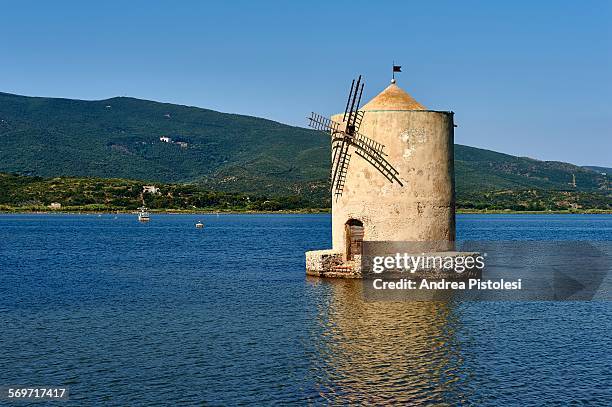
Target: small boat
<point>143,215</point>
<point>199,225</point>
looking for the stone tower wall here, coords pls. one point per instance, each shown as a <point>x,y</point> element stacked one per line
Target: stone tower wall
<point>419,144</point>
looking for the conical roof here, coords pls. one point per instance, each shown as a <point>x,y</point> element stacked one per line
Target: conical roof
<point>393,98</point>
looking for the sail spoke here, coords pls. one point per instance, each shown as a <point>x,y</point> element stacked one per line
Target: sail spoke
<point>342,139</point>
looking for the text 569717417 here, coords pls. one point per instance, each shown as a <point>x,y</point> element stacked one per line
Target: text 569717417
<point>31,392</point>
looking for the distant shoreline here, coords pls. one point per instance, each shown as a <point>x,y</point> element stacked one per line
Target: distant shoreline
<point>511,212</point>
<point>280,212</point>
<point>101,195</point>
<point>160,212</point>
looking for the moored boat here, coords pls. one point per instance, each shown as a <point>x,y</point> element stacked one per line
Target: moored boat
<point>143,215</point>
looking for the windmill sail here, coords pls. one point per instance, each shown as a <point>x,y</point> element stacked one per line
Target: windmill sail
<point>368,143</point>
<point>339,167</point>
<point>383,166</point>
<point>348,102</point>
<point>351,113</point>
<point>345,138</point>
<point>322,123</point>
<point>341,178</point>
<point>339,148</point>
<point>358,119</point>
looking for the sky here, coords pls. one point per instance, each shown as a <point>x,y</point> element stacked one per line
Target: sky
<point>525,78</point>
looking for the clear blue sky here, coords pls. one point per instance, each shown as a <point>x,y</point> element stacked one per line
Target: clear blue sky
<point>526,78</point>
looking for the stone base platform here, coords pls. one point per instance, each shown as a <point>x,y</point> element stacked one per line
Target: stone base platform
<point>329,263</point>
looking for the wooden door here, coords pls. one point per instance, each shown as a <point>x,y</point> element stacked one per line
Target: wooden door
<point>354,238</point>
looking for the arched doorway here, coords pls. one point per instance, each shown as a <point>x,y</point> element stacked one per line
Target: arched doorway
<point>353,233</point>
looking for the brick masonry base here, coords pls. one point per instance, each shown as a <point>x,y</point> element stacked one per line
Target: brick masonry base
<point>329,263</point>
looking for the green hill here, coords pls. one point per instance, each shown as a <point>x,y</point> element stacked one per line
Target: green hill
<point>606,170</point>
<point>120,138</point>
<point>478,169</point>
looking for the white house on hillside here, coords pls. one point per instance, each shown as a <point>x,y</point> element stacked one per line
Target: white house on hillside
<point>150,189</point>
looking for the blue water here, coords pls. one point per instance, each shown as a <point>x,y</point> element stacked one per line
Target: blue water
<point>163,313</point>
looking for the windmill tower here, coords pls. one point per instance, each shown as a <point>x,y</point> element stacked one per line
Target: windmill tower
<point>392,175</point>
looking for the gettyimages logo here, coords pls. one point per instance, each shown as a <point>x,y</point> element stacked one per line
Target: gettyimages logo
<point>409,263</point>
<point>487,271</point>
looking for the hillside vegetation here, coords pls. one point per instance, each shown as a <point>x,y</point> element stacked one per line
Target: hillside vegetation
<point>120,138</point>
<point>18,192</point>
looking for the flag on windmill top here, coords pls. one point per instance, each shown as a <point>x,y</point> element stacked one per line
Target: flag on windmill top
<point>397,68</point>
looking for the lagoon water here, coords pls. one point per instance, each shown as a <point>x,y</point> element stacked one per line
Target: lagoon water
<point>163,313</point>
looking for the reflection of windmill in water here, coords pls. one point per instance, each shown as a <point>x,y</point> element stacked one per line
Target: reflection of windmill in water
<point>351,336</point>
<point>345,136</point>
